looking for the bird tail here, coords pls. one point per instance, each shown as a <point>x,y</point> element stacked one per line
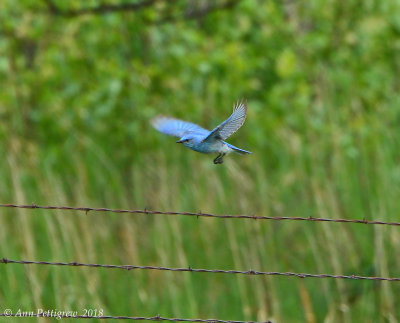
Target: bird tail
<point>238,150</point>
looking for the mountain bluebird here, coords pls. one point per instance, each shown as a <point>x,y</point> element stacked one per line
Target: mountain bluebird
<point>202,140</point>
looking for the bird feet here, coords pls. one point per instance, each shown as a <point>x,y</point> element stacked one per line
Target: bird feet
<point>218,159</point>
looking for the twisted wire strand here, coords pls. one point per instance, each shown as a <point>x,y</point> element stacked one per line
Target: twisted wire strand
<point>200,214</point>
<point>134,318</point>
<point>200,270</point>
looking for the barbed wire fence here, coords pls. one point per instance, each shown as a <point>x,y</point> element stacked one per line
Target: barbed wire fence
<point>250,272</point>
<point>197,270</point>
<point>58,315</point>
<point>200,214</point>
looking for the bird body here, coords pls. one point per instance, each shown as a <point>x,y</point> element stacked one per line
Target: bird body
<point>204,141</point>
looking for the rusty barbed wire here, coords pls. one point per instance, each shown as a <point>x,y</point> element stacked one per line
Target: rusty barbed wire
<point>199,214</point>
<point>134,318</point>
<point>199,270</point>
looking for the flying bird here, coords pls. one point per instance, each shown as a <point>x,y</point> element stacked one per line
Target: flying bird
<point>202,140</point>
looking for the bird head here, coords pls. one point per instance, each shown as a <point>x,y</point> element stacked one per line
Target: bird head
<point>187,139</point>
<point>183,140</point>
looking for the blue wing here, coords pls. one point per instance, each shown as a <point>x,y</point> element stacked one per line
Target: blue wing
<point>230,125</point>
<point>178,128</point>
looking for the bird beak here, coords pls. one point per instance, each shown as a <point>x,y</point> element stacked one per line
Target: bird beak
<point>179,141</point>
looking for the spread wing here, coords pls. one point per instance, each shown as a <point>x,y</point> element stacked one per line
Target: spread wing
<point>175,127</point>
<point>230,125</point>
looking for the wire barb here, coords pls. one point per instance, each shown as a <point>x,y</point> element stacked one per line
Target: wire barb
<point>201,214</point>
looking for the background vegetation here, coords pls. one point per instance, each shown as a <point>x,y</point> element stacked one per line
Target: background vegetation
<point>78,88</point>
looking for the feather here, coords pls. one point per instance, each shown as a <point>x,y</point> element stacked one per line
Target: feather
<point>230,125</point>
<point>175,127</point>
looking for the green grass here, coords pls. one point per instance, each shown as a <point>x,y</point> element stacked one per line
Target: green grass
<point>240,186</point>
<point>323,126</point>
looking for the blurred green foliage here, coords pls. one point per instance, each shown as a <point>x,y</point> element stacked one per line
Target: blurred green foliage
<point>77,93</point>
